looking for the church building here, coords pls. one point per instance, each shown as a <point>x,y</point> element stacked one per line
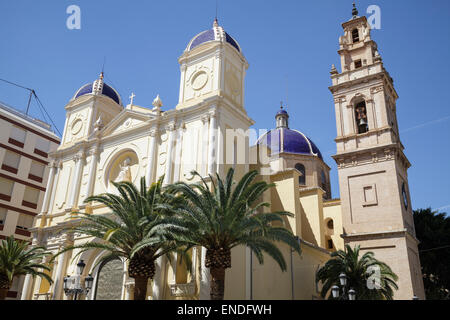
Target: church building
<point>207,131</point>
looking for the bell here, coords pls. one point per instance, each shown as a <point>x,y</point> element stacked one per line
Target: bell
<point>362,122</point>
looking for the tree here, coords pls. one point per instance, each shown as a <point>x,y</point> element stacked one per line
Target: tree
<point>433,232</point>
<point>17,259</point>
<point>226,217</point>
<point>135,229</point>
<point>370,278</point>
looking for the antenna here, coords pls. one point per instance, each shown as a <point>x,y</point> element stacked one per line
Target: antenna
<point>104,62</point>
<point>217,7</point>
<point>287,95</point>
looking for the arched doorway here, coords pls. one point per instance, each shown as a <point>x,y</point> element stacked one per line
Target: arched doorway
<point>109,280</point>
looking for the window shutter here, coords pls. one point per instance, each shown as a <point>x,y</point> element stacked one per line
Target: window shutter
<point>37,169</point>
<point>2,216</point>
<point>18,134</point>
<point>25,222</point>
<point>42,144</point>
<point>11,159</point>
<point>31,195</point>
<point>6,186</point>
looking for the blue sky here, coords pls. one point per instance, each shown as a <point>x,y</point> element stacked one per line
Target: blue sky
<point>290,46</point>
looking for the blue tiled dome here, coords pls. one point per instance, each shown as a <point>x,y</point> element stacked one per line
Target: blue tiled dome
<point>106,91</point>
<point>290,141</point>
<point>283,139</point>
<point>215,34</point>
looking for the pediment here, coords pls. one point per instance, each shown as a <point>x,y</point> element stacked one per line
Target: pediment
<point>125,121</point>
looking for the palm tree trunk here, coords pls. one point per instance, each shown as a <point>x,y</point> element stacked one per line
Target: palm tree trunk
<point>3,294</point>
<point>140,288</point>
<point>217,283</point>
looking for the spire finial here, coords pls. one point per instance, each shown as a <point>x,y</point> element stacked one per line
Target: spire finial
<point>354,10</point>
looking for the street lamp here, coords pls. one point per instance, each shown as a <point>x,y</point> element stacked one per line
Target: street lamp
<point>336,290</point>
<point>72,285</point>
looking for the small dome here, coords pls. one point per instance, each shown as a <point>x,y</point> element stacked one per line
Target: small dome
<point>99,87</point>
<point>291,141</point>
<point>217,33</point>
<point>283,139</point>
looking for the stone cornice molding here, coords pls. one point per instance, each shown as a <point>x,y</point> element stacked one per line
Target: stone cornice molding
<point>376,154</point>
<point>379,234</point>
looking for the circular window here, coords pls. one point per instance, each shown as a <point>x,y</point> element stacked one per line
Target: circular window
<point>76,126</point>
<point>199,80</point>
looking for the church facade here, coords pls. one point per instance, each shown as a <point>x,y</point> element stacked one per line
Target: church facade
<point>207,131</point>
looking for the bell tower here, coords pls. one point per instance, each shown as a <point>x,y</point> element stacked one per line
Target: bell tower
<point>373,179</point>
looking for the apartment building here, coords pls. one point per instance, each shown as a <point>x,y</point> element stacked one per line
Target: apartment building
<point>24,146</point>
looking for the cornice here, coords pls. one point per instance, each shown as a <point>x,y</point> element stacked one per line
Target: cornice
<point>380,234</point>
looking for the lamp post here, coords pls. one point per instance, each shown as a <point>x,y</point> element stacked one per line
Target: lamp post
<point>72,285</point>
<point>336,290</point>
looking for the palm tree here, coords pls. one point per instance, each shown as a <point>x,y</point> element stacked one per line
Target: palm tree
<point>226,217</point>
<point>17,259</point>
<point>360,272</point>
<point>135,229</point>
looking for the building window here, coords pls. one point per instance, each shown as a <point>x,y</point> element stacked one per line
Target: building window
<point>330,224</point>
<point>3,212</point>
<point>31,197</point>
<point>11,162</point>
<point>42,147</point>
<point>355,35</point>
<point>358,64</point>
<point>25,222</point>
<point>302,178</point>
<point>17,136</point>
<point>361,117</point>
<point>330,244</point>
<point>6,189</point>
<point>36,171</point>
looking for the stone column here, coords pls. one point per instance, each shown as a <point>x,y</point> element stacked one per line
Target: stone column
<point>204,278</point>
<point>212,146</point>
<point>48,190</point>
<point>178,153</point>
<point>158,279</point>
<point>55,186</point>
<point>58,293</point>
<point>94,153</point>
<point>204,168</point>
<point>169,160</point>
<point>151,157</point>
<point>26,287</point>
<point>76,182</point>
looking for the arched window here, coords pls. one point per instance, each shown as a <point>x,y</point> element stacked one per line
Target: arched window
<point>361,117</point>
<point>355,35</point>
<point>330,224</point>
<point>302,177</point>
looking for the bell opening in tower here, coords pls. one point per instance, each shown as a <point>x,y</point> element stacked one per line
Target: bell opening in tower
<point>355,35</point>
<point>361,117</point>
